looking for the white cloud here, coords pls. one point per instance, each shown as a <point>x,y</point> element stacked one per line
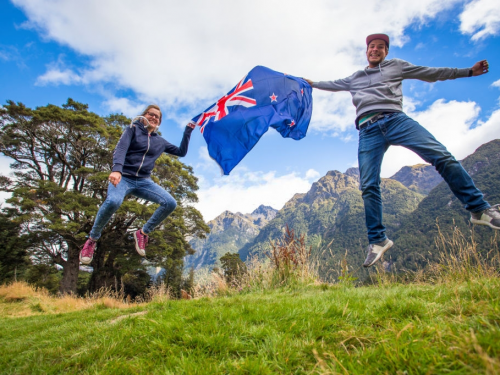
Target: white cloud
<point>6,56</point>
<point>3,197</point>
<point>496,83</point>
<point>5,171</point>
<point>481,18</point>
<point>244,191</point>
<point>57,76</point>
<point>333,112</point>
<point>125,106</point>
<point>5,165</point>
<point>12,54</point>
<point>204,155</point>
<point>312,174</point>
<point>207,164</point>
<point>454,124</point>
<point>187,53</point>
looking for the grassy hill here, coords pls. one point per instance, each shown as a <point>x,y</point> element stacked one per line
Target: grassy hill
<point>443,319</point>
<point>317,329</point>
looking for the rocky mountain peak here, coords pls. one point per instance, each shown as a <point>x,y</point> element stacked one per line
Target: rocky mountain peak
<point>226,220</point>
<point>485,155</point>
<point>353,172</point>
<point>330,186</point>
<point>263,214</point>
<point>247,222</point>
<point>266,211</point>
<point>228,233</point>
<point>420,178</point>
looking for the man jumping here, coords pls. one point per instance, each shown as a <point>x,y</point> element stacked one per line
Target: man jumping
<point>377,95</point>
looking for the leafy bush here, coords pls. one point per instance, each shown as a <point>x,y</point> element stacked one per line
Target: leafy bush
<point>233,267</point>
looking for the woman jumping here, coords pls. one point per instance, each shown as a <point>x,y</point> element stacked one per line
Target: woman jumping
<point>133,160</point>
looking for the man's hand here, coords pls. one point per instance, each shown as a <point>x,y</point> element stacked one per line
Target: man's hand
<point>309,81</point>
<point>479,68</point>
<point>191,125</point>
<point>115,178</point>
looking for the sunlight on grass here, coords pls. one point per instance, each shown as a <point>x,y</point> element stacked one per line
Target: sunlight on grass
<point>442,319</point>
<point>21,299</point>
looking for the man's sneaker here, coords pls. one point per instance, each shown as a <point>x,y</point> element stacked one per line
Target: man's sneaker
<point>141,241</point>
<point>375,250</point>
<point>87,252</point>
<point>489,217</point>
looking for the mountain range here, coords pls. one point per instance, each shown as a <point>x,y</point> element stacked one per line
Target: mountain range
<point>229,232</point>
<point>331,216</point>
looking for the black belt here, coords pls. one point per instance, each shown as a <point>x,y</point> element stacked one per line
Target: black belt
<point>374,119</point>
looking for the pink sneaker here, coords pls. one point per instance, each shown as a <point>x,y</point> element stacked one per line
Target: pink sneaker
<point>141,241</point>
<point>88,251</point>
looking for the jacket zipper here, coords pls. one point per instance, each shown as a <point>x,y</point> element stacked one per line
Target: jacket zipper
<point>142,162</point>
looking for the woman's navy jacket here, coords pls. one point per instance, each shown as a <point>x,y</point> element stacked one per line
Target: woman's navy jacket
<point>137,150</point>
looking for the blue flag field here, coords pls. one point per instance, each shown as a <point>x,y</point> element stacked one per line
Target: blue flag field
<point>263,98</point>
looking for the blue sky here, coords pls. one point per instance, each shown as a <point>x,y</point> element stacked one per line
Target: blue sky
<point>119,56</point>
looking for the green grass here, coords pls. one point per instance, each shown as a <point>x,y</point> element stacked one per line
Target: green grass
<point>451,328</point>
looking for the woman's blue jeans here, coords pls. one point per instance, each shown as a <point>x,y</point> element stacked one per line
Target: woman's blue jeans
<point>400,130</point>
<point>143,188</point>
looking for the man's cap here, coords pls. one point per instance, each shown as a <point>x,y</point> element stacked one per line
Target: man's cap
<point>384,37</point>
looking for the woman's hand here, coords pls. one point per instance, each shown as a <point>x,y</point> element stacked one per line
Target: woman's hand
<point>115,178</point>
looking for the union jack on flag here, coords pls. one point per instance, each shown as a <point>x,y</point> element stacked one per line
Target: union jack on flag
<point>263,98</point>
<point>220,109</point>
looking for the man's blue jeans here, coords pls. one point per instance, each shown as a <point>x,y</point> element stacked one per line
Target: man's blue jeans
<point>143,188</point>
<point>399,130</point>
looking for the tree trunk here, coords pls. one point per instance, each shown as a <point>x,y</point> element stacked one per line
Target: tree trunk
<point>70,272</point>
<point>104,270</point>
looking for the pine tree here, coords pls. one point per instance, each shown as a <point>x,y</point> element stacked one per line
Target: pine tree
<point>13,247</point>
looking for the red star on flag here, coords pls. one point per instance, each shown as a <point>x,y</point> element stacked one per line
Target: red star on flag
<point>273,98</point>
<point>302,92</point>
<point>292,123</point>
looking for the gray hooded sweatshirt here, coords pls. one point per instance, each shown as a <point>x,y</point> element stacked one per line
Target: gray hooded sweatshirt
<point>380,89</point>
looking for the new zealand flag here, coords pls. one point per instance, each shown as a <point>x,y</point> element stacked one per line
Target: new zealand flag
<point>262,99</point>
